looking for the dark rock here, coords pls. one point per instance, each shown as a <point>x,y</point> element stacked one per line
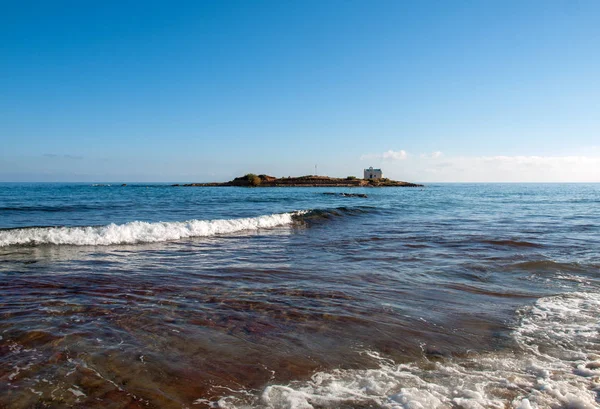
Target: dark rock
<point>362,195</point>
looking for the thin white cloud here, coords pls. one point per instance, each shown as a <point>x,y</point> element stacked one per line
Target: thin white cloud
<point>432,155</point>
<point>437,167</point>
<point>63,156</point>
<point>541,161</point>
<point>530,168</point>
<point>389,155</point>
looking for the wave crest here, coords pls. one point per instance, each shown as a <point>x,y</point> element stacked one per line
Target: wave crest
<point>138,232</point>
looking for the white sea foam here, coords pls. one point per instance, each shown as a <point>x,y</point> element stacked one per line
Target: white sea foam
<point>138,232</point>
<point>555,364</point>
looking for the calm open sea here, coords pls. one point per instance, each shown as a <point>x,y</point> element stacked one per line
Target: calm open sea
<point>448,296</point>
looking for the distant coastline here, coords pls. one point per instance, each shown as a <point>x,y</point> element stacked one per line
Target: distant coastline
<point>252,180</point>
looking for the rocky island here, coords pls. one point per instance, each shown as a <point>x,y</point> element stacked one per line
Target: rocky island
<point>252,180</point>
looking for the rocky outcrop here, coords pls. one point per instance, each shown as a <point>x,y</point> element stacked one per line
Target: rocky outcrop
<point>252,180</point>
<point>361,195</point>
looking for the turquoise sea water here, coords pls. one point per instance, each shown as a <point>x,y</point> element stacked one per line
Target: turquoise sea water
<point>448,296</point>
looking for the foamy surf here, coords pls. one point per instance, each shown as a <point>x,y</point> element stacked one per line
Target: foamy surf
<point>138,232</point>
<point>556,364</point>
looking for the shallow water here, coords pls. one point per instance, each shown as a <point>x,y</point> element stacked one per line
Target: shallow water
<point>451,296</point>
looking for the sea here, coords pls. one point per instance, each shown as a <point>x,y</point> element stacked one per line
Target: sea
<point>444,296</point>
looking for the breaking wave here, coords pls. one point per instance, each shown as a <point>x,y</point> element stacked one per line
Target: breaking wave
<point>555,364</point>
<point>139,232</point>
<point>151,232</point>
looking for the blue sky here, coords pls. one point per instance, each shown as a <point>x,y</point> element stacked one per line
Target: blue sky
<point>198,91</point>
